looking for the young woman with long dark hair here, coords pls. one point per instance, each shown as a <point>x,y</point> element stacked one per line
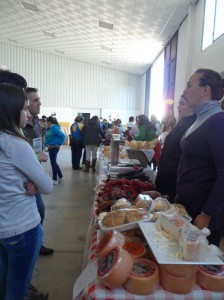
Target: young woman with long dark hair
<point>20,231</point>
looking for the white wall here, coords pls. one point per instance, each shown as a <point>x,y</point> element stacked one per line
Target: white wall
<point>190,57</point>
<point>68,86</point>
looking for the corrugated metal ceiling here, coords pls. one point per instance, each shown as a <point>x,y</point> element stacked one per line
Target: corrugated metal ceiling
<point>136,31</point>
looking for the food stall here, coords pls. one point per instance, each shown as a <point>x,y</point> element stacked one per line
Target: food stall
<point>163,254</point>
<point>97,290</point>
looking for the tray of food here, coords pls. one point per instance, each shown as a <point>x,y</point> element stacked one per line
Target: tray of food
<point>166,250</point>
<point>123,219</point>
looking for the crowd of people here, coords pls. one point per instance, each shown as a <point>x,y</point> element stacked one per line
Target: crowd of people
<point>190,167</point>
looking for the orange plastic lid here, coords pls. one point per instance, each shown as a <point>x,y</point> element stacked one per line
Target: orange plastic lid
<point>135,249</point>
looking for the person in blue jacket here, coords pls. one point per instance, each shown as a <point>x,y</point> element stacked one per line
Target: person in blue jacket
<point>54,139</point>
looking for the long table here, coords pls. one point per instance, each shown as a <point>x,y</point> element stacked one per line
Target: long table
<point>97,291</point>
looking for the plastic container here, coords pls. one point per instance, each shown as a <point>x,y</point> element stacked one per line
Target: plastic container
<point>115,267</point>
<point>108,241</point>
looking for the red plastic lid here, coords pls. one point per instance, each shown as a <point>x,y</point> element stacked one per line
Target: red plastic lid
<point>135,249</point>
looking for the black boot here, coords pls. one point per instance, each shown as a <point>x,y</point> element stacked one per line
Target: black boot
<point>94,165</point>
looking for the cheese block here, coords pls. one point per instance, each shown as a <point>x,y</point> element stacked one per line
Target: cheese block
<point>174,284</point>
<point>115,267</point>
<point>109,240</point>
<point>171,225</point>
<point>135,249</point>
<point>144,277</point>
<point>211,277</point>
<point>180,270</point>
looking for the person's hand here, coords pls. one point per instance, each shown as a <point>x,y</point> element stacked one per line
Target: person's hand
<point>42,156</point>
<point>202,221</point>
<point>30,188</point>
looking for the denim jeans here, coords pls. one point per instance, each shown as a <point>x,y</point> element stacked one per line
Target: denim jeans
<point>18,255</point>
<point>40,207</point>
<point>53,152</point>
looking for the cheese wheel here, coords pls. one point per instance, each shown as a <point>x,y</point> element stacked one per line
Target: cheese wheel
<point>109,240</point>
<point>174,284</point>
<point>211,277</point>
<point>135,249</point>
<point>144,277</point>
<point>115,267</point>
<point>181,270</point>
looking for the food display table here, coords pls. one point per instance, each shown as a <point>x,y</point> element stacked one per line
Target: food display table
<point>97,291</point>
<point>93,289</point>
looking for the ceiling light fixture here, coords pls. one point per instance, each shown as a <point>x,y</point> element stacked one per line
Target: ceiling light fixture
<point>106,48</point>
<point>49,34</point>
<point>106,25</point>
<point>29,6</point>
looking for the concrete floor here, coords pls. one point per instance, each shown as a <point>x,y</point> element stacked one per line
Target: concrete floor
<point>65,225</point>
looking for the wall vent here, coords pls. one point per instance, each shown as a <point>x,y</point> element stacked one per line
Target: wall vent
<point>49,34</point>
<point>29,6</point>
<point>106,25</point>
<point>59,52</point>
<point>105,48</point>
<point>106,63</point>
<point>13,41</point>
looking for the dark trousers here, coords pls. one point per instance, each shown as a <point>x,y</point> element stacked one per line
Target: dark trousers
<point>215,237</point>
<point>84,157</point>
<point>53,153</point>
<point>40,206</point>
<point>76,148</point>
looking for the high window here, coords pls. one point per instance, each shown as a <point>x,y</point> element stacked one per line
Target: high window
<point>156,104</point>
<point>213,21</point>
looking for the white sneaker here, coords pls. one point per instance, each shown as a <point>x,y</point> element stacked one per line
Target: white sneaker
<point>55,182</point>
<point>60,179</point>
